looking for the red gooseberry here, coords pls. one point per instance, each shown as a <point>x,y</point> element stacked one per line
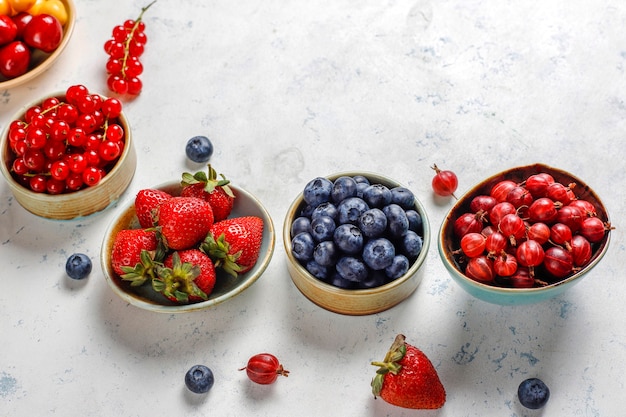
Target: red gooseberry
<point>469,222</point>
<point>558,262</point>
<point>512,226</point>
<point>473,244</point>
<point>539,232</point>
<point>530,253</point>
<point>264,368</point>
<point>505,264</point>
<point>543,210</point>
<point>594,229</point>
<point>581,250</point>
<point>537,184</point>
<point>480,269</point>
<point>482,202</point>
<point>444,182</point>
<point>501,189</point>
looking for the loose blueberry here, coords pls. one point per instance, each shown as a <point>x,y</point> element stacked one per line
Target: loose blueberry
<point>343,187</point>
<point>326,253</point>
<point>352,269</point>
<point>348,238</point>
<point>378,253</point>
<point>317,191</point>
<point>397,222</point>
<point>199,379</point>
<point>399,266</point>
<point>318,271</point>
<point>322,228</point>
<point>533,393</point>
<point>415,221</point>
<point>373,223</point>
<point>300,224</point>
<point>351,209</point>
<point>403,197</point>
<point>78,266</point>
<point>325,209</point>
<point>377,195</point>
<point>302,246</point>
<point>199,149</point>
<point>412,244</point>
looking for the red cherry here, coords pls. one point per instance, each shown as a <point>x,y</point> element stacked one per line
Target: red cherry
<point>43,32</point>
<point>14,59</point>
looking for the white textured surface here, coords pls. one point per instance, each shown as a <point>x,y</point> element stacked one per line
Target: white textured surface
<point>288,92</point>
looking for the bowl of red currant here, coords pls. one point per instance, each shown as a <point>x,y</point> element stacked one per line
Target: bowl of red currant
<point>33,35</point>
<point>69,154</point>
<point>356,242</point>
<point>524,235</point>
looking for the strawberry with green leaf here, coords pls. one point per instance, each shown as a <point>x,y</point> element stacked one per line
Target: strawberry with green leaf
<point>184,221</point>
<point>128,246</point>
<point>147,202</point>
<point>234,244</point>
<point>407,378</point>
<point>186,276</point>
<point>208,186</point>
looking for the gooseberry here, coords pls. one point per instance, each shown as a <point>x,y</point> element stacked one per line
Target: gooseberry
<point>558,262</point>
<point>264,368</point>
<point>445,182</point>
<point>473,244</point>
<point>480,269</point>
<point>530,253</point>
<point>580,249</point>
<point>501,190</point>
<point>594,229</point>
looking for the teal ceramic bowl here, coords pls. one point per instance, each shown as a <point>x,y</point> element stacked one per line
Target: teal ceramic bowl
<point>448,243</point>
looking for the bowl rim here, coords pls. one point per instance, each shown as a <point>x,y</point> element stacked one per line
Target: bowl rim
<point>517,292</point>
<point>421,258</point>
<point>263,261</point>
<point>46,64</point>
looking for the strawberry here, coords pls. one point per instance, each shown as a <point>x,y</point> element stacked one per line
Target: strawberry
<point>128,246</point>
<point>407,378</point>
<point>234,244</point>
<point>186,276</point>
<point>184,221</point>
<point>210,188</point>
<point>146,204</point>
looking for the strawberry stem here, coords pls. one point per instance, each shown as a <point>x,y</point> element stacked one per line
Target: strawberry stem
<point>390,364</point>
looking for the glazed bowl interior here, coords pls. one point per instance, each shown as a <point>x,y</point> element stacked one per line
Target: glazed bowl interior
<point>355,301</point>
<point>40,61</point>
<point>448,242</point>
<point>226,286</point>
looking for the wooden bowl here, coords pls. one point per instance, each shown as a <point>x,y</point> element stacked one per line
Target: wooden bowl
<point>76,204</point>
<point>226,286</point>
<point>40,61</point>
<point>355,301</point>
<point>448,242</point>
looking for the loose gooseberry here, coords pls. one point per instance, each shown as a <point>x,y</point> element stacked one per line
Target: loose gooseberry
<point>558,262</point>
<point>445,182</point>
<point>264,368</point>
<point>480,269</point>
<point>581,250</point>
<point>501,189</point>
<point>473,244</point>
<point>594,229</point>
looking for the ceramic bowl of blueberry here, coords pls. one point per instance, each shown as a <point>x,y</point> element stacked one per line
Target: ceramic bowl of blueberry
<point>69,154</point>
<point>524,235</point>
<point>356,242</point>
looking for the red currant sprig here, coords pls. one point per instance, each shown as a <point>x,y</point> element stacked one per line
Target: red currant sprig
<point>124,48</point>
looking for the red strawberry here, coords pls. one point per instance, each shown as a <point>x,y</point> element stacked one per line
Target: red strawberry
<point>234,244</point>
<point>187,276</point>
<point>184,221</point>
<point>407,378</point>
<point>210,188</point>
<point>128,246</point>
<point>146,204</point>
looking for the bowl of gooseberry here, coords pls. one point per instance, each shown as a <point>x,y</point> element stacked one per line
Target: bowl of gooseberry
<point>524,235</point>
<point>69,154</point>
<point>37,33</point>
<point>356,242</point>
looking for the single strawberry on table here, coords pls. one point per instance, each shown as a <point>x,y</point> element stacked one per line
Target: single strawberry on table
<point>234,244</point>
<point>147,202</point>
<point>210,188</point>
<point>406,378</point>
<point>184,221</point>
<point>186,276</point>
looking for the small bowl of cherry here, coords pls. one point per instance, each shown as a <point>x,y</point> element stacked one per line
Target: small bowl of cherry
<point>524,235</point>
<point>69,154</point>
<point>356,242</point>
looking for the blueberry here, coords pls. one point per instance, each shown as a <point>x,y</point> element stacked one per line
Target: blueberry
<point>317,191</point>
<point>343,187</point>
<point>533,393</point>
<point>374,279</point>
<point>378,253</point>
<point>340,282</point>
<point>412,244</point>
<point>377,195</point>
<point>415,221</point>
<point>348,238</point>
<point>403,197</point>
<point>318,271</point>
<point>322,228</point>
<point>199,379</point>
<point>199,149</point>
<point>325,253</point>
<point>325,209</point>
<point>78,266</point>
<point>397,222</point>
<point>373,222</point>
<point>352,269</point>
<point>300,224</point>
<point>399,266</point>
<point>361,179</point>
<point>350,209</point>
<point>360,188</point>
<point>302,246</point>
